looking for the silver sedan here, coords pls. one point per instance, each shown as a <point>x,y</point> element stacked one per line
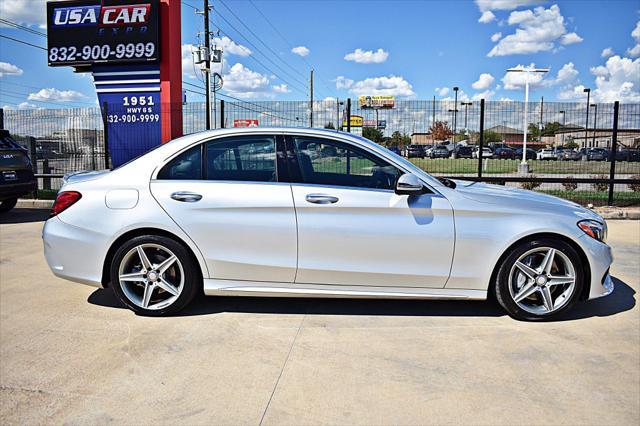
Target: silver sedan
<point>315,213</point>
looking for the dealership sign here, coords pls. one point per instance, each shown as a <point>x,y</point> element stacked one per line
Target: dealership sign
<point>245,123</point>
<point>356,121</point>
<point>377,102</point>
<point>86,32</point>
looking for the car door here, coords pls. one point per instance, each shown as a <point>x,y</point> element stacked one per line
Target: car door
<point>226,195</point>
<point>353,229</point>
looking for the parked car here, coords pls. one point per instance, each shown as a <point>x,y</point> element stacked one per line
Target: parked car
<point>415,151</point>
<point>440,152</point>
<point>531,154</point>
<point>486,153</point>
<point>504,153</point>
<point>16,173</point>
<point>593,154</point>
<point>394,149</point>
<point>464,151</point>
<point>628,154</point>
<point>547,154</point>
<point>177,221</point>
<point>569,155</point>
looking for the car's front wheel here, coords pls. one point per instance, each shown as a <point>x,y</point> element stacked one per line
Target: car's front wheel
<point>154,275</point>
<point>539,279</point>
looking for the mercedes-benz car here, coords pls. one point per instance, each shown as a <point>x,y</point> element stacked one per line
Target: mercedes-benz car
<point>317,213</point>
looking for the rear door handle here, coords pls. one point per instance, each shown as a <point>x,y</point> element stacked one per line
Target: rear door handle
<point>186,197</point>
<point>321,199</point>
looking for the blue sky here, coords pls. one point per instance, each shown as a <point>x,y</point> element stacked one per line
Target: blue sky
<point>413,50</point>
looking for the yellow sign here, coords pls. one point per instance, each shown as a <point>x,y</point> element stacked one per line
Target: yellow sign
<point>379,102</point>
<point>356,121</point>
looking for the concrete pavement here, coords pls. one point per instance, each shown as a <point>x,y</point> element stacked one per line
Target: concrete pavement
<point>71,354</point>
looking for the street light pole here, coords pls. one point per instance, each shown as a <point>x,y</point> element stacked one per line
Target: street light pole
<point>523,168</point>
<point>586,125</point>
<point>455,117</point>
<point>595,123</point>
<point>466,105</point>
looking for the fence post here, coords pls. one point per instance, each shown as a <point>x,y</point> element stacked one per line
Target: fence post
<point>612,153</point>
<point>1,118</point>
<point>349,115</point>
<point>481,139</point>
<point>106,135</point>
<point>222,113</point>
<point>34,162</point>
<point>46,182</point>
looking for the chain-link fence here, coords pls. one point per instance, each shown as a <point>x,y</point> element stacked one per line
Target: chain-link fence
<point>589,154</point>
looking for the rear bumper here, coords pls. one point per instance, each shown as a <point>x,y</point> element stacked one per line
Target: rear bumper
<point>73,253</point>
<point>15,190</point>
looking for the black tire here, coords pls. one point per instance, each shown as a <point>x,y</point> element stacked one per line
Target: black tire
<point>501,285</point>
<point>7,205</point>
<point>192,277</point>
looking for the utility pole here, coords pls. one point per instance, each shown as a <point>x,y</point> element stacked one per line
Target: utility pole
<point>311,96</point>
<point>205,56</point>
<point>586,124</point>
<point>433,120</point>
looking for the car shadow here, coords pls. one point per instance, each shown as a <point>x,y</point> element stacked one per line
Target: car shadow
<point>621,300</point>
<point>18,215</point>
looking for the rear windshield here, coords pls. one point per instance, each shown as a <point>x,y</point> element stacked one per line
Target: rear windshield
<point>7,142</point>
<point>13,159</point>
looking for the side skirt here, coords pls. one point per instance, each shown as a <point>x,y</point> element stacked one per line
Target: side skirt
<point>213,287</point>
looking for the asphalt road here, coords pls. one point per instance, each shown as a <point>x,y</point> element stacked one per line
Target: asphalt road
<point>71,354</point>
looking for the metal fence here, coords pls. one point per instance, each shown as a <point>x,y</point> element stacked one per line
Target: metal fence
<point>66,140</point>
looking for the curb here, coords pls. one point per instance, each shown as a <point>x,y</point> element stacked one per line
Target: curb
<point>34,204</point>
<point>608,213</point>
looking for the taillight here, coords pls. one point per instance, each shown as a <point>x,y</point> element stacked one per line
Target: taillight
<point>64,200</point>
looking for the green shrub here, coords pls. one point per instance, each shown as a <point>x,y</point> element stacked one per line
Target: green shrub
<point>635,187</point>
<point>530,185</point>
<point>600,186</point>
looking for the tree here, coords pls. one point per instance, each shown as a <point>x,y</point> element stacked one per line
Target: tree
<point>550,129</point>
<point>440,130</point>
<point>329,125</point>
<point>491,137</point>
<point>372,134</point>
<point>571,144</point>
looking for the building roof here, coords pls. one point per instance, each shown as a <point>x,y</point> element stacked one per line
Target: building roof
<point>505,129</point>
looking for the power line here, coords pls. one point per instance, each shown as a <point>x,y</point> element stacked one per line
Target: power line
<point>22,27</point>
<point>23,42</point>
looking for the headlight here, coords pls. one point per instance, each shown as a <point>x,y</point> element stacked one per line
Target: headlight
<point>594,229</point>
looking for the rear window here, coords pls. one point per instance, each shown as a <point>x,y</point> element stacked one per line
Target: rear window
<point>13,159</point>
<point>7,142</point>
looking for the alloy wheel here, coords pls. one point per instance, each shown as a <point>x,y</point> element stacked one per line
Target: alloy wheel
<point>151,276</point>
<point>542,280</point>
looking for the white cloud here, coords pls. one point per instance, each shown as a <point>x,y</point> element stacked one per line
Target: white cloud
<point>25,12</point>
<point>462,97</point>
<point>486,17</point>
<point>570,38</point>
<point>484,81</point>
<point>9,69</point>
<point>385,86</point>
<point>571,93</point>
<point>607,52</point>
<point>27,105</point>
<point>242,82</point>
<point>516,80</point>
<point>537,31</point>
<point>442,91</point>
<point>635,51</point>
<point>505,100</point>
<point>52,94</point>
<point>495,37</point>
<point>367,57</point>
<point>617,80</point>
<point>301,50</point>
<point>343,82</point>
<point>230,46</point>
<point>485,5</point>
<point>281,88</point>
<point>566,78</point>
<point>486,95</point>
<point>188,67</point>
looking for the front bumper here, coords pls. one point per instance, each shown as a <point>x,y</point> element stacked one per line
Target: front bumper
<point>600,259</point>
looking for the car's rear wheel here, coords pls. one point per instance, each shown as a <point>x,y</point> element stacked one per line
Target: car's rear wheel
<point>539,279</point>
<point>7,205</point>
<point>154,275</point>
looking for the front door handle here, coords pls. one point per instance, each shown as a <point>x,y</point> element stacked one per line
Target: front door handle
<point>321,199</point>
<point>186,197</point>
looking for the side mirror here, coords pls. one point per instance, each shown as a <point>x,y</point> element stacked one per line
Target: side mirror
<point>409,184</point>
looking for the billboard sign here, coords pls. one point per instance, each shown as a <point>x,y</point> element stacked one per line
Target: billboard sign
<point>377,102</point>
<point>245,123</point>
<point>382,124</point>
<point>356,121</point>
<point>86,32</point>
